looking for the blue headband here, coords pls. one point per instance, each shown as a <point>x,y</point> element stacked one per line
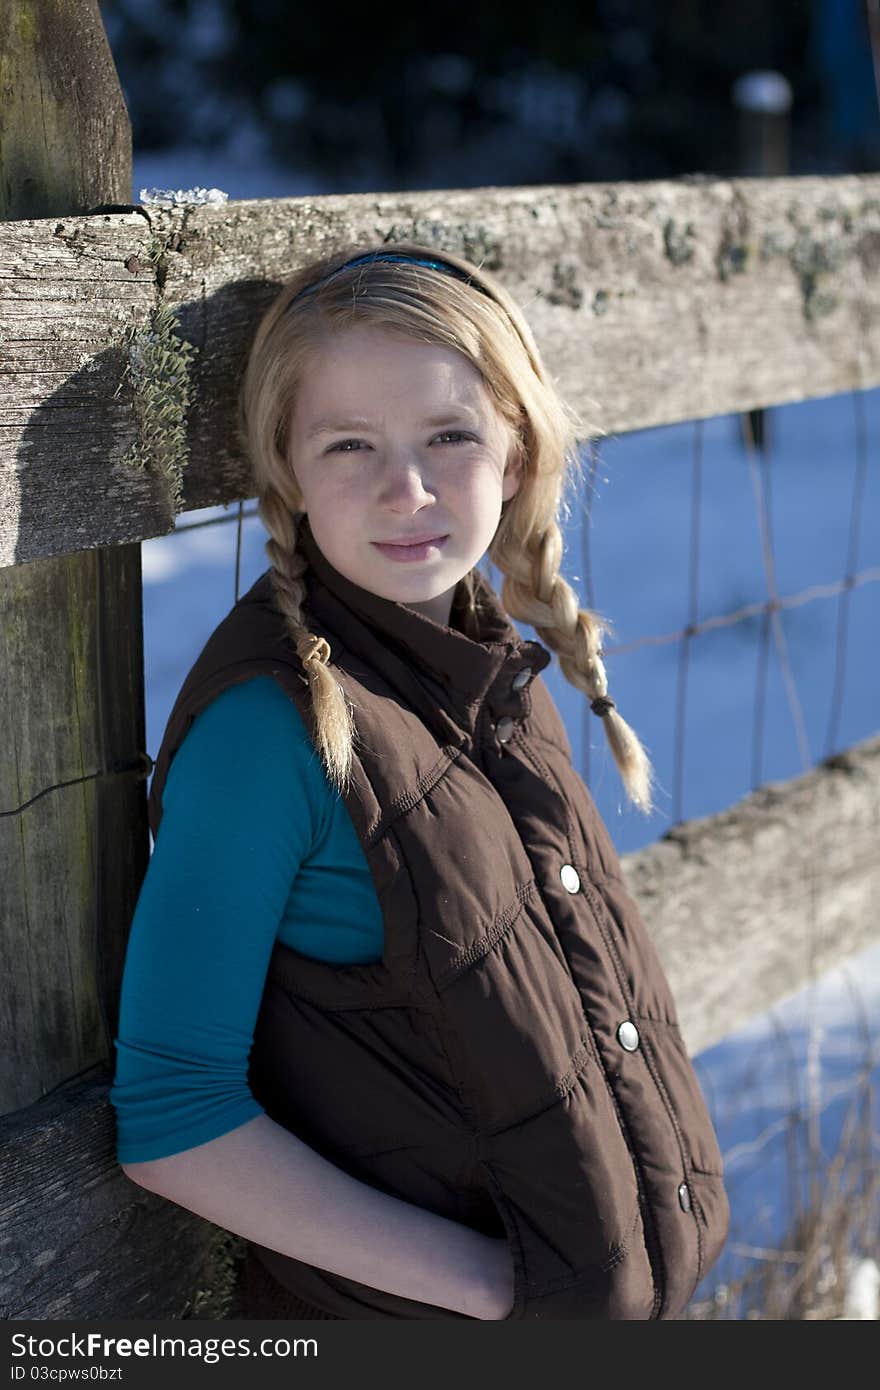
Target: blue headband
<point>383,256</point>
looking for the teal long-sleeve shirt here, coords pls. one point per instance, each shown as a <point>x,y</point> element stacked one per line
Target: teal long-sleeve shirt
<point>255,845</point>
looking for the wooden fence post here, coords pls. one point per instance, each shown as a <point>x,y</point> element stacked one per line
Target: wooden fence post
<point>71,698</point>
<point>74,841</point>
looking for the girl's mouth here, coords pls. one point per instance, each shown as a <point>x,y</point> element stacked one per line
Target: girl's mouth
<point>412,552</point>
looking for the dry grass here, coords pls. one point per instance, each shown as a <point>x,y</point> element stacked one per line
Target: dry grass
<point>831,1247</point>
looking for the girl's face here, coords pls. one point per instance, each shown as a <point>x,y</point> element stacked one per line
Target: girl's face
<point>395,440</point>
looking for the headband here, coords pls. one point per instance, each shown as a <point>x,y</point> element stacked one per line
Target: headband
<point>372,256</point>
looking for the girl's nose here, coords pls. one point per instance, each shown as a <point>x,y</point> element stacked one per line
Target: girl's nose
<point>405,482</point>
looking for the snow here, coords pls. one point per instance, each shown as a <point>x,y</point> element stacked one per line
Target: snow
<point>863,1291</point>
<point>763,90</point>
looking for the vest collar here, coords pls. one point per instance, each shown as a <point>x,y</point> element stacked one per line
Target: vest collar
<point>469,670</point>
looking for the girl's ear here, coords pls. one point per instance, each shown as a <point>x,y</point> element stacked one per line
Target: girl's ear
<point>513,473</point>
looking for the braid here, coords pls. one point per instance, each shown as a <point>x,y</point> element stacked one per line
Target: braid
<point>334,725</point>
<point>534,592</point>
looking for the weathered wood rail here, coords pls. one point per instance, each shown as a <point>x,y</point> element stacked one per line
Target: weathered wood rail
<point>652,302</point>
<point>122,337</point>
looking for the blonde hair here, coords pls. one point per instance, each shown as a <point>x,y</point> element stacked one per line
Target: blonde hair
<point>480,319</point>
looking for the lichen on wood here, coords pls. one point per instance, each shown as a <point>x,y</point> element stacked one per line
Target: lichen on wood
<point>158,367</point>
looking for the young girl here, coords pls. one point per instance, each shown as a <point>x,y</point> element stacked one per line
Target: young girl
<point>389,1012</point>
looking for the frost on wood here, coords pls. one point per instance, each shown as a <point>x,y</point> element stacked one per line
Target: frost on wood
<point>182,197</point>
<point>158,368</point>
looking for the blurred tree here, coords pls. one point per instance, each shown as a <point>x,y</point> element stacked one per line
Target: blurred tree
<point>571,90</point>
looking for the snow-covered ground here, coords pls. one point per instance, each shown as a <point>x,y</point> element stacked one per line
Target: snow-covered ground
<point>808,1051</point>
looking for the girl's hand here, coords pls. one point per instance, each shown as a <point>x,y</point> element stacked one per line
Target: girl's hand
<point>499,1281</point>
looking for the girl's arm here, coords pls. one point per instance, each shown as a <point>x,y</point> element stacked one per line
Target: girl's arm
<point>263,1183</point>
<point>243,802</point>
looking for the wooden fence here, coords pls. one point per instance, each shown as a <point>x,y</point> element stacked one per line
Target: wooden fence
<point>123,331</point>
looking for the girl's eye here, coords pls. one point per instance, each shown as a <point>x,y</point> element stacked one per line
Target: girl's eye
<point>342,446</point>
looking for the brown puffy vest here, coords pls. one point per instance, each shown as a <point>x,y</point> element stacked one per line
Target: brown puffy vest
<point>514,1061</point>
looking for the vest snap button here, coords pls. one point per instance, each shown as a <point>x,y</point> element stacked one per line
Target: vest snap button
<point>628,1036</point>
<point>684,1197</point>
<point>569,875</point>
<point>522,678</point>
<point>504,729</point>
